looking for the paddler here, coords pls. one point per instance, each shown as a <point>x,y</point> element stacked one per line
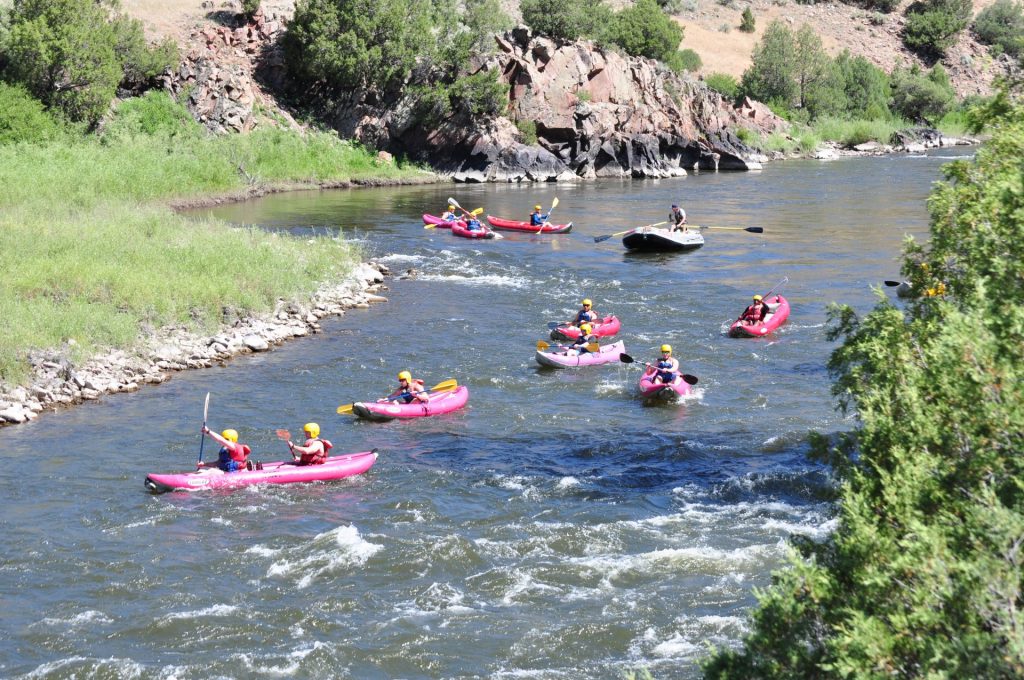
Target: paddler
<point>536,218</point>
<point>314,450</point>
<point>409,390</point>
<point>755,313</point>
<point>449,214</point>
<point>667,367</point>
<point>232,456</point>
<point>472,223</point>
<point>579,345</point>
<point>677,218</point>
<point>585,315</point>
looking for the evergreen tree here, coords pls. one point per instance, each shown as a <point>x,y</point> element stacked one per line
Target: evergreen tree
<point>771,76</point>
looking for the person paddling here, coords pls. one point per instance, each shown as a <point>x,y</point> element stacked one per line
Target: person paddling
<point>449,214</point>
<point>755,313</point>
<point>667,368</point>
<point>585,315</point>
<point>472,223</point>
<point>409,390</point>
<point>579,345</point>
<point>677,218</point>
<point>314,450</point>
<point>232,456</point>
<point>536,218</point>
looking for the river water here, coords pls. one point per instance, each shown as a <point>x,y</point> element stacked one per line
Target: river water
<point>555,528</point>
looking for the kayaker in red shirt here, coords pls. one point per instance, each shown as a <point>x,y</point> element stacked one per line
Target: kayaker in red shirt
<point>755,313</point>
<point>232,456</point>
<point>667,368</point>
<point>585,315</point>
<point>408,390</point>
<point>314,450</point>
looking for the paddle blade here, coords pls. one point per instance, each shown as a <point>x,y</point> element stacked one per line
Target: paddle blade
<point>344,409</point>
<point>429,226</point>
<point>593,347</point>
<point>206,407</point>
<point>476,212</point>
<point>552,325</point>
<point>449,384</point>
<point>541,345</point>
<point>554,203</point>
<point>598,239</point>
<point>285,434</point>
<point>626,359</point>
<point>755,230</point>
<point>892,283</point>
<point>452,201</point>
<point>690,379</point>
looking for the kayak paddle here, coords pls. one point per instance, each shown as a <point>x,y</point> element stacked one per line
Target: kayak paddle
<point>554,204</point>
<point>752,230</point>
<point>202,432</point>
<point>286,436</point>
<point>892,283</point>
<point>598,239</point>
<point>445,386</point>
<point>687,378</point>
<point>591,347</point>
<point>474,213</point>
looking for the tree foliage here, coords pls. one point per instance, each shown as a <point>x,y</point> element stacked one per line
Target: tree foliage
<point>73,54</point>
<point>923,97</point>
<point>933,25</point>
<point>1001,24</point>
<point>747,21</point>
<point>23,118</point>
<point>566,19</point>
<point>771,77</point>
<point>923,575</point>
<point>644,30</point>
<point>865,86</point>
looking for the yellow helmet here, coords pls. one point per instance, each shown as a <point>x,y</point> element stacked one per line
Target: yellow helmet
<point>536,207</point>
<point>586,301</point>
<point>585,328</point>
<point>451,207</point>
<point>312,429</point>
<point>757,298</point>
<point>405,375</point>
<point>230,435</point>
<point>666,348</point>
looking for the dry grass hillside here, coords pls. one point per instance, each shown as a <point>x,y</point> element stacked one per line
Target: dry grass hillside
<point>711,29</point>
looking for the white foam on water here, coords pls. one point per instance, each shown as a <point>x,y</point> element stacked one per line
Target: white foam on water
<point>261,551</point>
<point>400,257</point>
<point>215,610</point>
<point>221,520</point>
<point>675,647</point>
<point>608,387</point>
<point>118,668</point>
<point>90,616</point>
<point>568,483</point>
<point>531,673</point>
<point>491,280</point>
<point>325,554</point>
<point>290,667</point>
<point>525,584</point>
<point>514,483</point>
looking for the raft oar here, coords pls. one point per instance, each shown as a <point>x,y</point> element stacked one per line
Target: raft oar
<point>752,230</point>
<point>202,432</point>
<point>785,280</point>
<point>554,204</point>
<point>591,347</point>
<point>286,436</point>
<point>445,386</point>
<point>598,239</point>
<point>687,378</point>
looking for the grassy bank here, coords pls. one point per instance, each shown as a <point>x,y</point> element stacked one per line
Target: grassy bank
<point>806,138</point>
<point>90,252</point>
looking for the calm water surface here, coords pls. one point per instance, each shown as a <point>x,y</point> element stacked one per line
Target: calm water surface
<point>556,528</point>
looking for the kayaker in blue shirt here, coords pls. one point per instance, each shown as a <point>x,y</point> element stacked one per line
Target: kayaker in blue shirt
<point>473,224</point>
<point>667,367</point>
<point>677,218</point>
<point>536,219</point>
<point>449,214</point>
<point>232,456</point>
<point>585,315</point>
<point>579,345</point>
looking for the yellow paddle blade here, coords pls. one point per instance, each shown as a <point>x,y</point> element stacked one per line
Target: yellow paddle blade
<point>554,204</point>
<point>541,345</point>
<point>449,384</point>
<point>344,409</point>
<point>429,226</point>
<point>476,212</point>
<point>593,347</point>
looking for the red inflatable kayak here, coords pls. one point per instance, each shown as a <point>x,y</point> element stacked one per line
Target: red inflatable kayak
<point>515,225</point>
<point>439,223</point>
<point>438,403</point>
<point>604,328</point>
<point>279,472</point>
<point>460,229</point>
<point>651,390</point>
<point>778,312</point>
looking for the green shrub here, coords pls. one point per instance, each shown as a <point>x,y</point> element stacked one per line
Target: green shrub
<point>1001,25</point>
<point>249,7</point>
<point>747,136</point>
<point>481,94</point>
<point>920,97</point>
<point>566,19</point>
<point>724,84</point>
<point>153,114</point>
<point>23,118</point>
<point>528,129</point>
<point>932,25</point>
<point>684,60</point>
<point>747,23</point>
<point>644,30</point>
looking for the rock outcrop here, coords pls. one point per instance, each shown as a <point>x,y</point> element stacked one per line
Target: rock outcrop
<point>595,113</point>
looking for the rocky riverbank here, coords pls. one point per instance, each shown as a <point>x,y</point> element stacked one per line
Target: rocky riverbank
<point>57,381</point>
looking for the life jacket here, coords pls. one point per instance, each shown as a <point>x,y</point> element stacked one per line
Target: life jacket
<point>316,458</point>
<point>755,314</point>
<point>536,219</point>
<point>584,315</point>
<point>227,454</point>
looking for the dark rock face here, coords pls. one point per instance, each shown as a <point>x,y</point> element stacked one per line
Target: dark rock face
<point>596,114</point>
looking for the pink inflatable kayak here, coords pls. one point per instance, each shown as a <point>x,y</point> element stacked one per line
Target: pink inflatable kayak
<point>439,223</point>
<point>438,403</point>
<point>778,312</point>
<point>604,328</point>
<point>557,358</point>
<point>460,229</point>
<point>515,225</point>
<point>279,472</point>
<point>650,390</point>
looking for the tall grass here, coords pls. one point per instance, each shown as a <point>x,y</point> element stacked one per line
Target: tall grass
<point>853,132</point>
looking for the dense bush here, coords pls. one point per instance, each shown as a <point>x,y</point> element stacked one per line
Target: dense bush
<point>922,97</point>
<point>644,30</point>
<point>724,84</point>
<point>72,54</point>
<point>249,7</point>
<point>932,25</point>
<point>922,575</point>
<point>153,114</point>
<point>747,22</point>
<point>684,60</point>
<point>866,87</point>
<point>566,19</point>
<point>770,77</point>
<point>1001,25</point>
<point>23,118</point>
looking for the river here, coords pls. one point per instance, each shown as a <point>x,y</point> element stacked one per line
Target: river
<point>555,528</point>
